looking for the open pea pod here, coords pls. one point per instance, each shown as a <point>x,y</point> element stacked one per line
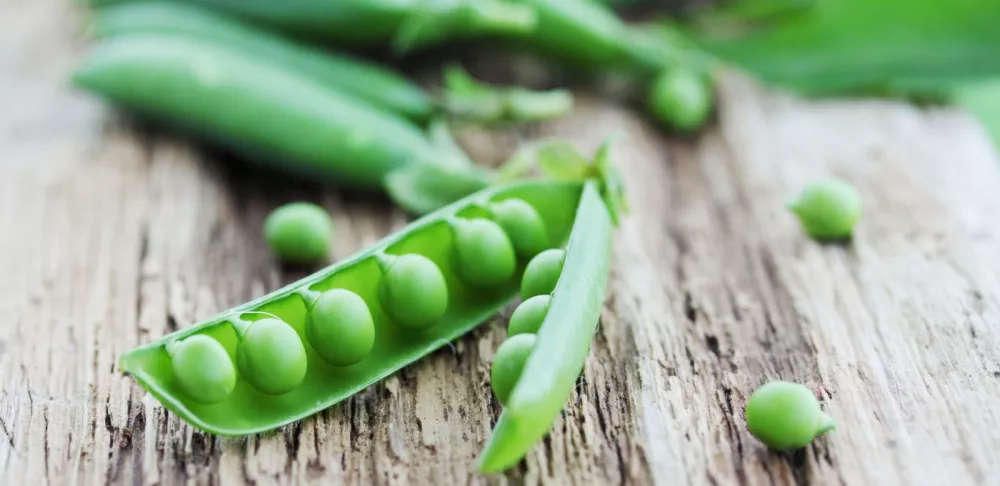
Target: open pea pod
<point>311,344</point>
<point>535,370</point>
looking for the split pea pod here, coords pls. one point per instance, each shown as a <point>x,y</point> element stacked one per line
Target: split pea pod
<point>237,99</point>
<point>310,345</point>
<point>535,371</point>
<point>374,22</point>
<point>368,81</point>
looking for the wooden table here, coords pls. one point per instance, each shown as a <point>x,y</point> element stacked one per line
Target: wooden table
<point>114,234</point>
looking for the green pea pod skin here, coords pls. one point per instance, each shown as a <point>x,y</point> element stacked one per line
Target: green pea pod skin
<point>247,410</point>
<point>375,84</point>
<point>350,21</point>
<point>371,23</point>
<point>232,97</point>
<point>579,31</point>
<point>563,341</point>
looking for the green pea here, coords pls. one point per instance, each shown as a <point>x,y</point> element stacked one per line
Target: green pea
<point>414,291</point>
<point>828,209</point>
<point>542,273</point>
<point>484,255</point>
<point>508,364</point>
<point>523,225</point>
<point>202,368</point>
<point>271,356</point>
<point>299,232</point>
<point>786,416</point>
<point>681,98</point>
<point>528,317</point>
<point>340,328</point>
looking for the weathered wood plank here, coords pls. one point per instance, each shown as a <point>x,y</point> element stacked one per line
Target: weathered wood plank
<point>115,234</point>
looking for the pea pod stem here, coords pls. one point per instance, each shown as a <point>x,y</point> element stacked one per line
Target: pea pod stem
<point>826,424</point>
<point>563,341</point>
<point>308,296</point>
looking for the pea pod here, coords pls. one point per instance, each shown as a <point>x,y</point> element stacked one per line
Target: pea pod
<point>375,84</point>
<point>578,31</point>
<point>550,363</point>
<point>369,315</point>
<point>239,100</point>
<point>415,23</point>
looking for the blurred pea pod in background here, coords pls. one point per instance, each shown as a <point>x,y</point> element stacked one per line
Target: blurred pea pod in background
<point>407,23</point>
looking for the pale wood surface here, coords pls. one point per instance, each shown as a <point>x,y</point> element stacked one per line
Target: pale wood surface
<point>114,234</point>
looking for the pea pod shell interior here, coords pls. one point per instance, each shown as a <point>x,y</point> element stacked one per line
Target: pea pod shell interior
<point>248,411</point>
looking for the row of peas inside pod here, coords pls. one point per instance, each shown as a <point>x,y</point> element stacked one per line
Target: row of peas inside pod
<point>339,324</point>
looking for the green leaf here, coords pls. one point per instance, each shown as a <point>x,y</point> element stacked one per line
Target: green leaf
<point>983,100</point>
<point>864,45</point>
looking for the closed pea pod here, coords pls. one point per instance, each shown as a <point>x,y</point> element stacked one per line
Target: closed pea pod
<point>786,416</point>
<point>377,85</point>
<point>374,22</point>
<point>231,97</point>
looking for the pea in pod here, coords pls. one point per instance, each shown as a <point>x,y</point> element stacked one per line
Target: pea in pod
<point>312,344</point>
<point>535,373</point>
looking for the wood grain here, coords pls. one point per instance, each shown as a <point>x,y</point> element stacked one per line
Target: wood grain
<point>115,233</point>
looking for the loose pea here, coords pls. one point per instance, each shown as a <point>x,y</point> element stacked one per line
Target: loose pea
<point>508,364</point>
<point>340,328</point>
<point>414,291</point>
<point>484,255</point>
<point>528,317</point>
<point>523,225</point>
<point>271,356</point>
<point>299,232</point>
<point>542,273</point>
<point>202,368</point>
<point>828,209</point>
<point>786,416</point>
<point>681,98</point>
